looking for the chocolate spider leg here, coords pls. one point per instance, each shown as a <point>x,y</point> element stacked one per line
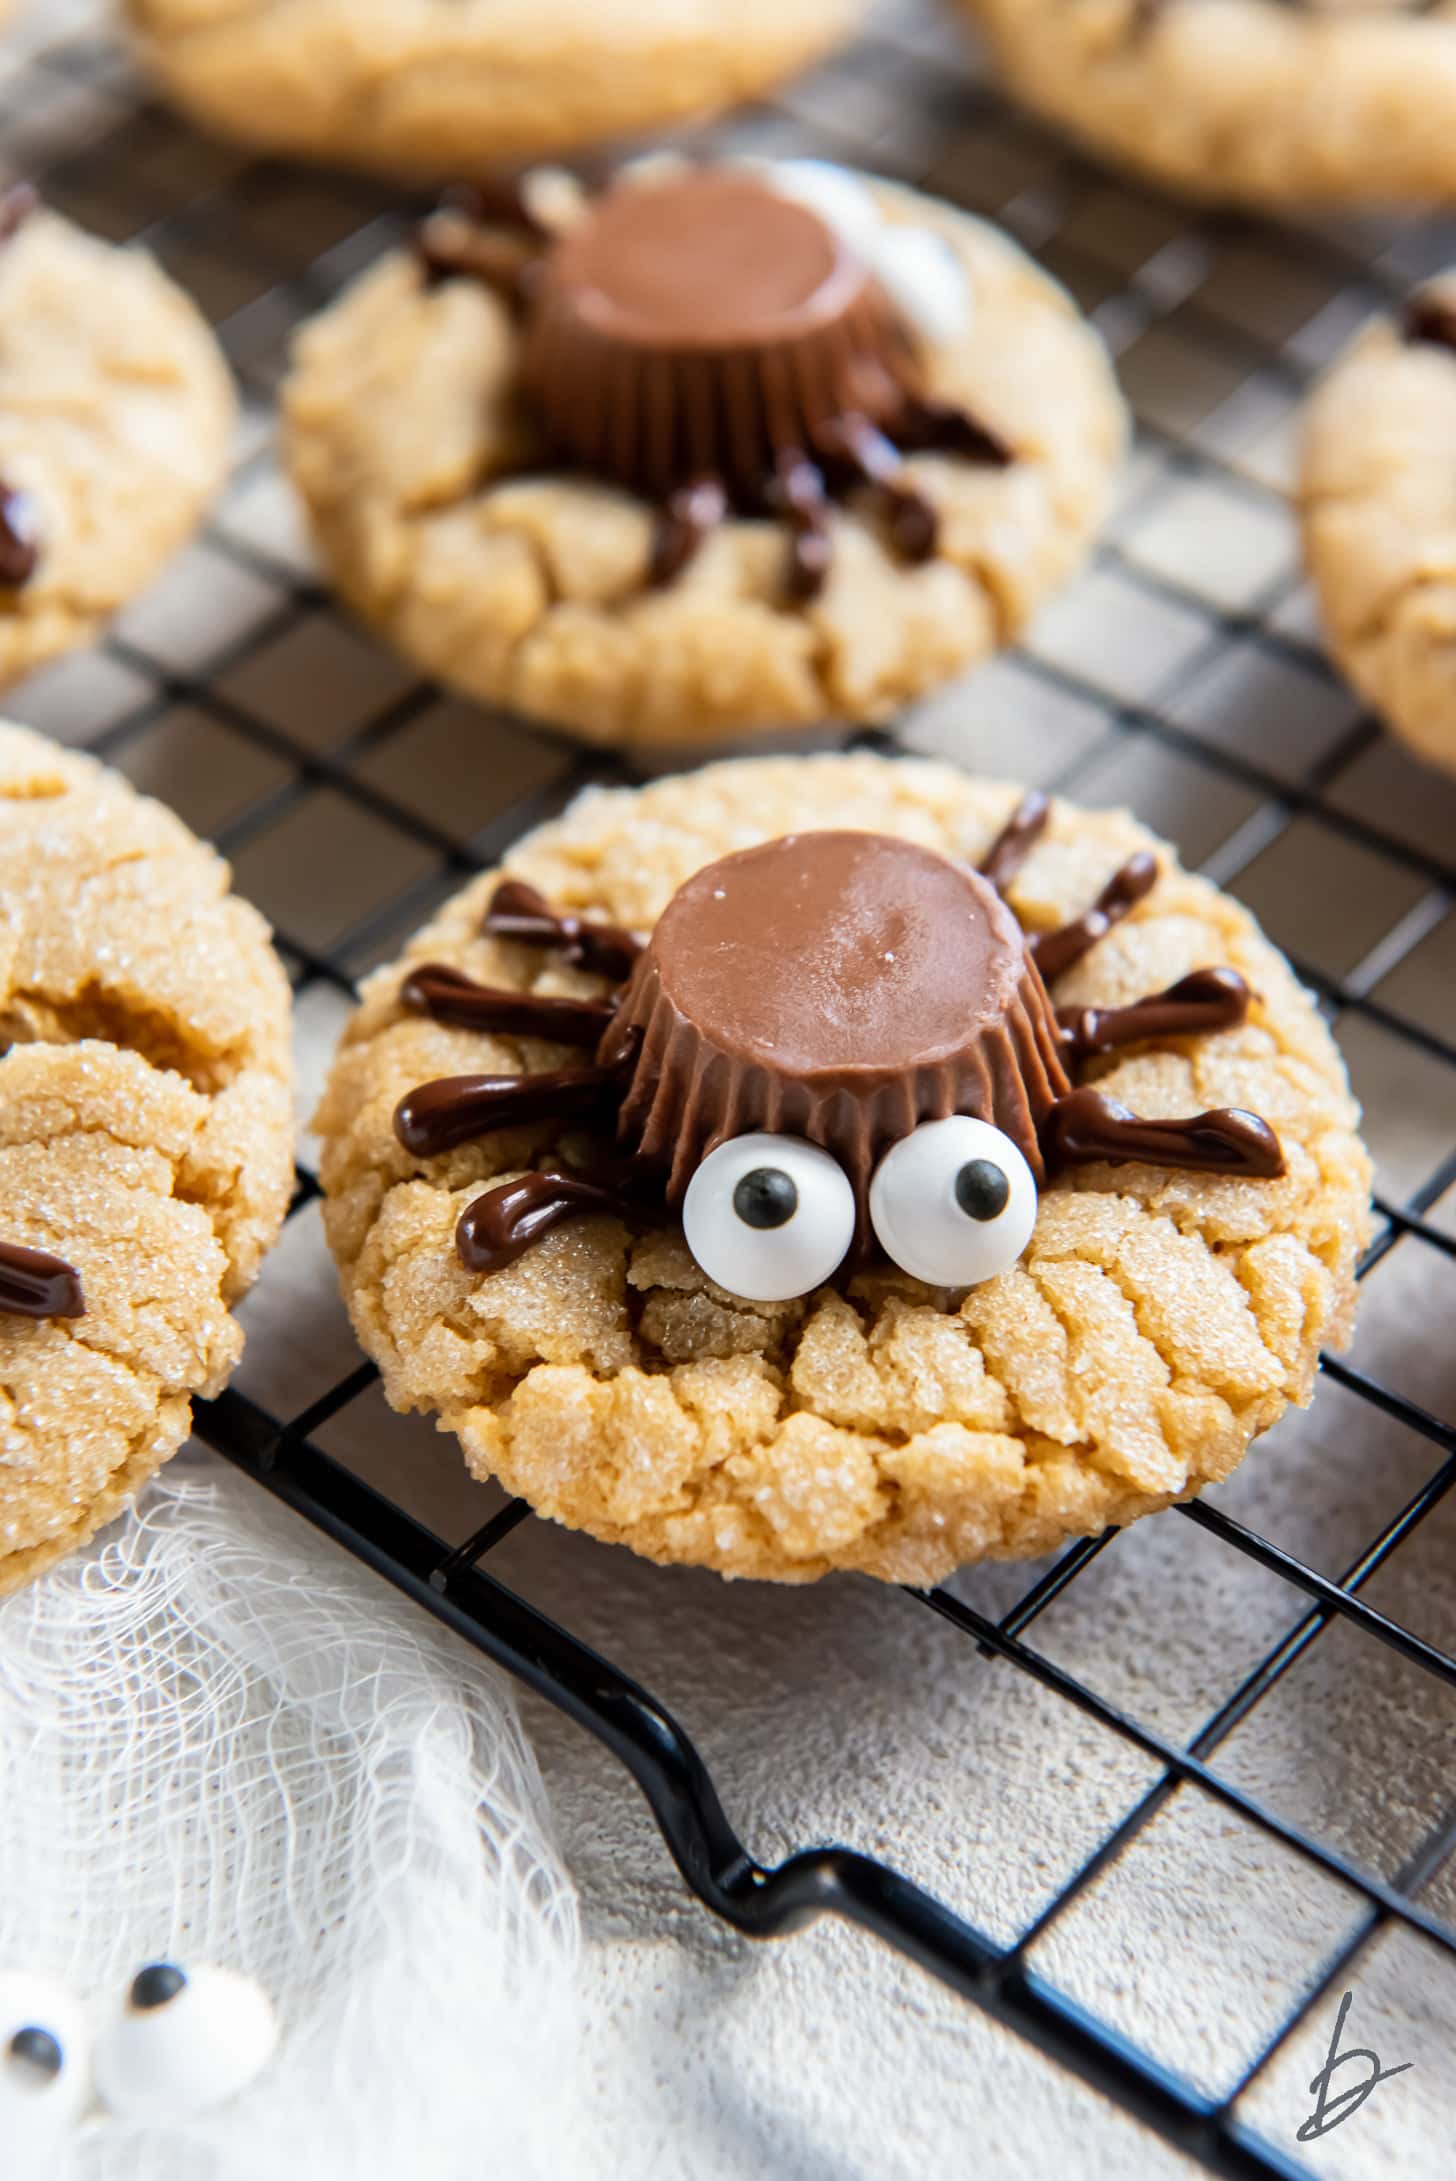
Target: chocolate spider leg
<point>1055,952</point>
<point>496,1228</point>
<point>927,426</point>
<point>449,248</point>
<point>447,995</point>
<point>1086,1127</point>
<point>1204,1001</point>
<point>518,912</point>
<point>1015,841</point>
<point>33,1284</point>
<point>874,459</point>
<point>800,486</point>
<point>689,516</point>
<point>456,1109</point>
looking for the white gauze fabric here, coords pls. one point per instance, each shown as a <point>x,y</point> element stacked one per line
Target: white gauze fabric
<point>222,1740</point>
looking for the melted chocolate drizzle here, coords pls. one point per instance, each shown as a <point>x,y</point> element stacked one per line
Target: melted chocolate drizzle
<point>449,996</point>
<point>1430,317</point>
<point>801,492</point>
<point>518,912</point>
<point>455,1109</point>
<point>486,232</point>
<point>19,538</point>
<point>1087,1126</point>
<point>498,1227</point>
<point>33,1284</point>
<point>1055,952</point>
<point>1015,841</point>
<point>19,526</point>
<point>690,515</point>
<point>1205,1001</point>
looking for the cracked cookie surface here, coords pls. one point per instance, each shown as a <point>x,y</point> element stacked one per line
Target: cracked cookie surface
<point>1250,101</point>
<point>531,591</point>
<point>145,1134</point>
<point>453,88</point>
<point>116,415</point>
<point>1156,1324</point>
<point>1377,498</point>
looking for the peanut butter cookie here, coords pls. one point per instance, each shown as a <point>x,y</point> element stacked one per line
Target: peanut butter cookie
<point>1377,495</point>
<point>722,449</point>
<point>444,88</point>
<point>819,1262</point>
<point>1246,101</point>
<point>145,1138</point>
<point>116,414</point>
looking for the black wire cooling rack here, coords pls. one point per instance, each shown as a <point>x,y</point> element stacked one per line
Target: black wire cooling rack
<point>265,248</point>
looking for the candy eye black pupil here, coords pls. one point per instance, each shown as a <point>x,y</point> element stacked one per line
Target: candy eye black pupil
<point>766,1197</point>
<point>156,1984</point>
<point>981,1189</point>
<point>38,2049</point>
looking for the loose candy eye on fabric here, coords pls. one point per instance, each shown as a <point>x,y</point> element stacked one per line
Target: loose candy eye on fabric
<point>183,2042</point>
<point>45,2071</point>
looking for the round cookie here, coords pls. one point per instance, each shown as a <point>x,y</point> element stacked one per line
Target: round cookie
<point>1247,101</point>
<point>145,1138</point>
<point>1157,1322</point>
<point>116,415</point>
<point>603,514</point>
<point>1377,499</point>
<point>448,88</point>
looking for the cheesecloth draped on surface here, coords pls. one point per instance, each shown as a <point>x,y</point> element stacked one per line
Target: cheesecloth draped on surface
<point>222,1740</point>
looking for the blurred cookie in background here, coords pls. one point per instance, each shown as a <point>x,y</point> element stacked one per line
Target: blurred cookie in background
<point>1377,495</point>
<point>116,419</point>
<point>720,449</point>
<point>441,88</point>
<point>1245,101</point>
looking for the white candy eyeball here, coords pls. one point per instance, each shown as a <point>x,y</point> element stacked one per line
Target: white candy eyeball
<point>768,1217</point>
<point>45,2072</point>
<point>838,197</point>
<point>953,1203</point>
<point>186,2041</point>
<point>925,280</point>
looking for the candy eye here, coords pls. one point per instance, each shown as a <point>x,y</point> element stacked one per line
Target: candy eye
<point>45,2070</point>
<point>954,1202</point>
<point>186,2040</point>
<point>768,1217</point>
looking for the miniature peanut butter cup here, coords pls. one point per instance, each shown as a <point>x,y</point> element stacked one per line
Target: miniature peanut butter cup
<point>840,987</point>
<point>700,327</point>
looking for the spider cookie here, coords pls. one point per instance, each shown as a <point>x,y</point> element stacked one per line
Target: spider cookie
<point>145,1139</point>
<point>116,412</point>
<point>723,448</point>
<point>949,1180</point>
<point>1249,101</point>
<point>1377,494</point>
<point>458,87</point>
